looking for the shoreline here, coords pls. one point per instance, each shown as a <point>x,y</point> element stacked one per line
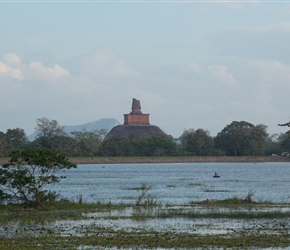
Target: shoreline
<point>169,159</point>
<point>177,159</point>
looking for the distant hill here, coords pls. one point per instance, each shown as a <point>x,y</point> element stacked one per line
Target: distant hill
<point>105,123</point>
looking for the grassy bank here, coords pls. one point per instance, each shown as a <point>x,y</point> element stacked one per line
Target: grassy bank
<point>177,159</point>
<point>170,159</point>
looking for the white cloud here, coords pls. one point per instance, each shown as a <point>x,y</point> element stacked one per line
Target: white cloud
<point>220,73</point>
<point>214,88</point>
<point>104,62</point>
<point>12,59</point>
<point>272,71</point>
<point>193,67</point>
<point>197,96</point>
<point>51,72</point>
<point>52,91</point>
<point>3,68</point>
<point>11,67</point>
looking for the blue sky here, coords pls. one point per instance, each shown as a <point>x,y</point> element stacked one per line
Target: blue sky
<point>192,64</point>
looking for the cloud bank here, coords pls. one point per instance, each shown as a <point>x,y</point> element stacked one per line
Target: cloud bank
<point>197,96</point>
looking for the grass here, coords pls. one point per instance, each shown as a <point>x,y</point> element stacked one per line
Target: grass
<point>243,213</point>
<point>195,184</point>
<point>171,186</point>
<point>149,239</point>
<point>78,225</point>
<point>216,191</point>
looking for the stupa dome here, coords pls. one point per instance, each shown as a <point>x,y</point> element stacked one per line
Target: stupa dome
<point>136,124</point>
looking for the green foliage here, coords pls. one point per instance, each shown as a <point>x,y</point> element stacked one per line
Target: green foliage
<point>242,138</point>
<point>145,146</point>
<point>28,172</point>
<point>88,143</point>
<point>3,144</point>
<point>284,142</point>
<point>117,147</point>
<point>48,128</point>
<point>144,189</point>
<point>11,140</point>
<point>80,143</point>
<point>272,145</point>
<point>16,138</point>
<point>196,142</point>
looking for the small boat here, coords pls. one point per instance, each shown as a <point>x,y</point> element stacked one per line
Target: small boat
<point>216,175</point>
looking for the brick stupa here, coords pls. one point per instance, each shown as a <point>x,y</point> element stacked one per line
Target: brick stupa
<point>136,124</point>
<point>136,117</point>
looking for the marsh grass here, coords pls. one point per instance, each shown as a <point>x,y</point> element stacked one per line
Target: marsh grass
<point>149,239</point>
<point>34,232</point>
<point>144,198</point>
<point>216,191</point>
<point>195,184</point>
<point>66,210</point>
<point>216,213</point>
<point>171,186</point>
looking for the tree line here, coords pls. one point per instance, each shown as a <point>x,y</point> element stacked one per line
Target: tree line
<point>240,138</point>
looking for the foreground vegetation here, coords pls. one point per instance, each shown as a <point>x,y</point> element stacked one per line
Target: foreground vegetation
<point>148,240</point>
<point>24,178</point>
<point>66,225</point>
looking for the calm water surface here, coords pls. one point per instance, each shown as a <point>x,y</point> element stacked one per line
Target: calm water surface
<point>176,183</point>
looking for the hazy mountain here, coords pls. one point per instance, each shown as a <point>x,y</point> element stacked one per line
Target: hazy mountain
<point>105,123</point>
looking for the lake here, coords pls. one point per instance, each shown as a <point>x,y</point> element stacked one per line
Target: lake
<point>176,183</point>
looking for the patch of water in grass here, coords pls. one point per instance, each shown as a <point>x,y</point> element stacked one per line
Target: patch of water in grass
<point>195,220</point>
<point>130,219</point>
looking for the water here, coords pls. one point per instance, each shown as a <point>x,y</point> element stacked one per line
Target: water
<point>176,183</point>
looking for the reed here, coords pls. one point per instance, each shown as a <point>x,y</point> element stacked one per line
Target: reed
<point>26,228</point>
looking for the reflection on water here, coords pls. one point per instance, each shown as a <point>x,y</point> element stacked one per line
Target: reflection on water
<point>176,183</point>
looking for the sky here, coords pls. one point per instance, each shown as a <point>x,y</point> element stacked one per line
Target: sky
<point>192,64</point>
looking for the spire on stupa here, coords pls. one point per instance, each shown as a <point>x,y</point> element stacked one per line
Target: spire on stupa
<point>136,107</point>
<point>136,117</point>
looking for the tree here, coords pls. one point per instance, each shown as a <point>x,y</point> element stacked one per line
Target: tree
<point>196,142</point>
<point>117,147</point>
<point>284,142</point>
<point>64,144</point>
<point>46,131</point>
<point>154,146</point>
<point>272,145</point>
<point>144,146</point>
<point>28,172</point>
<point>258,140</point>
<point>48,128</point>
<point>4,145</point>
<point>285,124</point>
<point>16,138</point>
<point>242,138</point>
<point>88,143</point>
